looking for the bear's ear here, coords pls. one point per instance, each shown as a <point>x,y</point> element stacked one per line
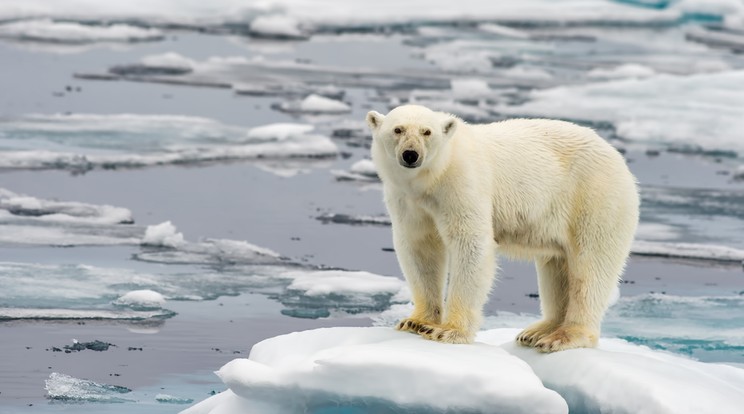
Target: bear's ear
<point>449,126</point>
<point>374,120</point>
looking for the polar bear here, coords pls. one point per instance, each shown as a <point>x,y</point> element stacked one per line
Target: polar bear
<point>546,190</point>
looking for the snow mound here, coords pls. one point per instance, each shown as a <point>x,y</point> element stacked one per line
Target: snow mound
<point>142,300</point>
<point>163,234</point>
<point>277,27</point>
<point>628,70</point>
<point>315,104</point>
<point>619,377</point>
<point>362,170</point>
<point>46,30</point>
<point>389,371</point>
<point>378,368</point>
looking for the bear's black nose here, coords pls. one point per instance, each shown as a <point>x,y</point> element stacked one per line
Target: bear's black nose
<point>410,156</point>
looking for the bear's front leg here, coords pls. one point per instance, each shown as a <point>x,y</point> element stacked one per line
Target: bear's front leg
<point>472,268</point>
<point>422,258</point>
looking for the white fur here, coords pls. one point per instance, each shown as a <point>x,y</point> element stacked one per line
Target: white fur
<point>537,189</point>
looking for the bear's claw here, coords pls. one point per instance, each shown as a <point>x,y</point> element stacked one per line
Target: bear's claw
<point>567,337</point>
<point>533,333</point>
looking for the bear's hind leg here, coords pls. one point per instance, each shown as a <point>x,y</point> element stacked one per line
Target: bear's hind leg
<point>552,281</point>
<point>593,278</point>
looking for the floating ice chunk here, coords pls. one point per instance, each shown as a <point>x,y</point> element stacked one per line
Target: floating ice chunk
<point>470,88</point>
<point>277,27</point>
<point>669,109</point>
<point>504,31</point>
<point>380,369</point>
<point>362,170</point>
<point>86,141</point>
<point>315,104</point>
<point>27,208</point>
<point>46,30</point>
<point>142,300</point>
<point>67,388</point>
<point>688,251</point>
<point>169,60</point>
<point>337,282</point>
<point>163,234</point>
<point>170,399</point>
<point>279,131</point>
<point>619,377</point>
<point>213,251</point>
<point>656,231</point>
<point>628,70</point>
<point>82,314</point>
<point>338,218</point>
<point>526,73</point>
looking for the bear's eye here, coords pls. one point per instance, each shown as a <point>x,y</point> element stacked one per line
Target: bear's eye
<point>397,130</point>
<point>427,132</point>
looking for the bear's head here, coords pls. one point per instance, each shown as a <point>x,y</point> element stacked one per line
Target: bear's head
<point>411,135</point>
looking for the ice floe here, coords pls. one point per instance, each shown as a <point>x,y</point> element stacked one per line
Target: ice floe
<point>693,251</point>
<point>81,142</point>
<point>277,27</point>
<point>47,30</point>
<point>362,170</point>
<point>380,368</point>
<point>66,388</point>
<point>145,299</point>
<point>315,104</point>
<point>698,113</point>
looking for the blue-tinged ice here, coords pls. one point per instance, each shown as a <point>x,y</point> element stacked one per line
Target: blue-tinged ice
<point>66,388</point>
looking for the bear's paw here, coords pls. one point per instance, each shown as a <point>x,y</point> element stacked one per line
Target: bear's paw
<point>568,337</point>
<point>535,332</point>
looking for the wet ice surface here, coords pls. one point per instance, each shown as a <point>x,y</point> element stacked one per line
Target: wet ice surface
<point>233,233</point>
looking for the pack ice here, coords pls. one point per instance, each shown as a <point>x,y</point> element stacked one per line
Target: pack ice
<point>383,370</point>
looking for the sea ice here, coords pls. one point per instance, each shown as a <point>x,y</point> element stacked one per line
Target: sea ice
<point>688,251</point>
<point>22,208</point>
<point>47,30</point>
<point>145,299</point>
<point>277,27</point>
<point>378,368</point>
<point>362,170</point>
<point>619,377</point>
<point>628,70</point>
<point>66,388</point>
<point>393,371</point>
<point>163,234</point>
<point>315,104</point>
<point>700,110</point>
<point>87,141</point>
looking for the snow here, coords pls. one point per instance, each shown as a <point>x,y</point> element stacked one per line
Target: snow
<point>141,300</point>
<point>386,369</point>
<point>170,60</point>
<point>619,377</point>
<point>18,207</point>
<point>163,234</point>
<point>628,70</point>
<point>46,30</point>
<point>87,141</point>
<point>470,88</point>
<point>702,110</point>
<point>316,104</point>
<point>277,26</point>
<point>362,170</point>
<point>349,283</point>
<point>279,131</point>
<point>170,399</point>
<point>379,367</point>
<point>328,13</point>
<point>688,251</point>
